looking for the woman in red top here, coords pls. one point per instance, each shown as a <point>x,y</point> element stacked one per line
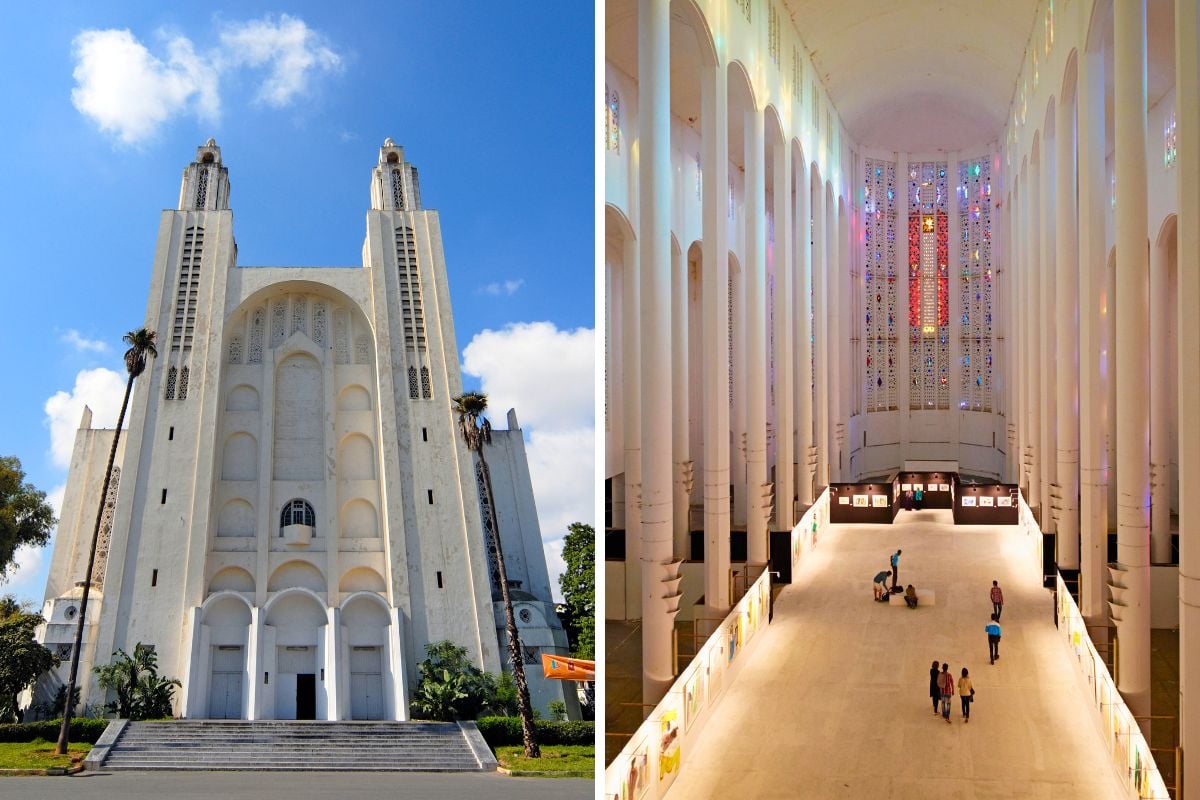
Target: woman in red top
<point>946,684</point>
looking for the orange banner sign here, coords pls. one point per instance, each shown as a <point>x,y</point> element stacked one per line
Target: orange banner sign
<point>568,669</point>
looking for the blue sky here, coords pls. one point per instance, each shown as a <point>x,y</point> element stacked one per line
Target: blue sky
<point>104,106</point>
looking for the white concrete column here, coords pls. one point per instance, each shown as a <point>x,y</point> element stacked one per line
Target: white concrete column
<point>631,403</point>
<point>1093,380</point>
<point>659,573</point>
<point>1133,356</point>
<point>820,323</point>
<point>758,490</point>
<point>1031,335</point>
<point>1066,298</point>
<point>1017,334</point>
<point>680,413</point>
<point>1045,320</point>
<point>1187,117</point>
<point>1010,364</point>
<point>785,465</point>
<point>805,449</point>
<point>714,298</point>
<point>1162,308</point>
<point>833,314</point>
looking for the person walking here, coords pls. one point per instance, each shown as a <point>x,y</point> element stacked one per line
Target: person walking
<point>895,568</point>
<point>993,633</point>
<point>997,600</point>
<point>935,688</point>
<point>880,583</point>
<point>966,694</point>
<point>946,685</point>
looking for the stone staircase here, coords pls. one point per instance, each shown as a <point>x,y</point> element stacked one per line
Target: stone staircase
<point>292,746</point>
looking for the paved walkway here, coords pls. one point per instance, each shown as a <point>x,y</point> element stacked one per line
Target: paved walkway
<point>835,702</point>
<point>292,786</point>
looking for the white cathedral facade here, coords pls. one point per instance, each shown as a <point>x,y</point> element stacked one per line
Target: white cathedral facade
<point>294,515</point>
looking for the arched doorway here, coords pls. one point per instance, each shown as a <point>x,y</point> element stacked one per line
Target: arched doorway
<point>225,633</point>
<point>294,655</point>
<point>366,658</point>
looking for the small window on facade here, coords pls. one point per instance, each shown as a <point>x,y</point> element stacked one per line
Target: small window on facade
<point>297,512</point>
<point>183,383</point>
<point>426,388</point>
<point>172,373</point>
<point>154,578</point>
<point>397,190</point>
<point>171,434</point>
<point>429,492</point>
<point>164,498</point>
<point>439,579</point>
<point>424,434</point>
<point>412,383</point>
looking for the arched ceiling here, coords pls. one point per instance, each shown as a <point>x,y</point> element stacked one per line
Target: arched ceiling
<point>917,76</point>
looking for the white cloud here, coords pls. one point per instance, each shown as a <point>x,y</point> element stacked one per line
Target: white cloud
<point>83,344</point>
<point>102,390</point>
<point>130,92</point>
<point>549,376</point>
<point>506,287</point>
<point>289,47</point>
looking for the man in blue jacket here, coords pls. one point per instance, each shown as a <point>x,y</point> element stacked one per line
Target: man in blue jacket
<point>993,633</point>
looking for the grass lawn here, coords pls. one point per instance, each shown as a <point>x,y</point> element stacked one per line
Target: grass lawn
<point>38,755</point>
<point>561,760</point>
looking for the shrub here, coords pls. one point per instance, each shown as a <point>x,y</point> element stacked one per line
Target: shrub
<point>507,730</point>
<point>82,730</point>
<point>451,687</point>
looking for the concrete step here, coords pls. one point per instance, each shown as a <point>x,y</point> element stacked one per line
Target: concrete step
<point>287,745</point>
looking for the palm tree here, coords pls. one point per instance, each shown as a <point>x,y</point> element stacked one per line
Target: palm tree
<point>470,407</point>
<point>141,345</point>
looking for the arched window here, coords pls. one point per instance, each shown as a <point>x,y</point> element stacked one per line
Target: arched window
<point>202,189</point>
<point>397,190</point>
<point>297,512</point>
<point>412,383</point>
<point>426,388</point>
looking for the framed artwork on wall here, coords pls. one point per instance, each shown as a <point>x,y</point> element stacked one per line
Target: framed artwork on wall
<point>906,487</point>
<point>943,487</point>
<point>968,501</point>
<point>987,501</point>
<point>843,500</point>
<point>1004,502</point>
<point>879,501</point>
<point>860,501</point>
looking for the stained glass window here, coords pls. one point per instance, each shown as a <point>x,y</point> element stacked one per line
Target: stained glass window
<point>879,285</point>
<point>612,120</point>
<point>928,278</point>
<point>797,78</point>
<point>976,279</point>
<point>1170,141</point>
<point>773,34</point>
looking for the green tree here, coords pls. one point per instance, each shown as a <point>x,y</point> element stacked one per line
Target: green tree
<point>439,695</point>
<point>141,346</point>
<point>504,701</point>
<point>22,658</point>
<point>477,432</point>
<point>141,692</point>
<point>451,687</point>
<point>26,519</point>
<point>578,586</point>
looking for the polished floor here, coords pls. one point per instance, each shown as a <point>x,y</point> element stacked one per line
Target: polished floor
<point>835,703</point>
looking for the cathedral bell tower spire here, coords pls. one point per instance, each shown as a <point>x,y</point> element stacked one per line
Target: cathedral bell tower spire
<point>394,184</point>
<point>205,185</point>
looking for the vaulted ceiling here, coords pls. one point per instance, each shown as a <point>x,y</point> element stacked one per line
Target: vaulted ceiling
<point>917,76</point>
